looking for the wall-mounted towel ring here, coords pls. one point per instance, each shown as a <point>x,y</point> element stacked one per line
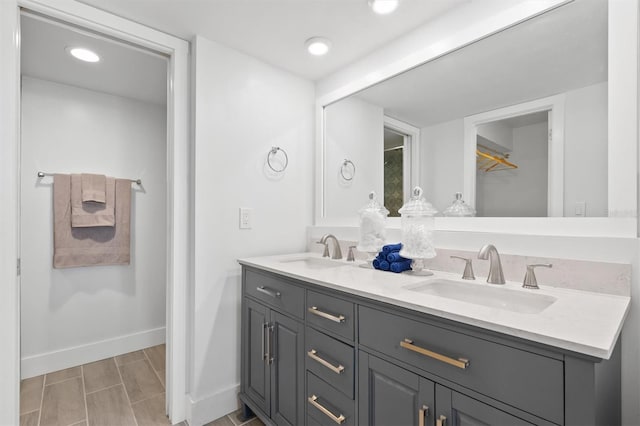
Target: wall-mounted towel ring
<point>348,170</point>
<point>272,153</point>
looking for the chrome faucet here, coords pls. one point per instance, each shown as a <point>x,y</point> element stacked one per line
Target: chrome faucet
<point>490,252</point>
<point>337,253</point>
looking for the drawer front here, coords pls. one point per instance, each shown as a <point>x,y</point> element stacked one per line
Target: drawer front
<point>531,382</point>
<point>331,360</point>
<point>332,314</point>
<point>326,406</point>
<point>274,291</point>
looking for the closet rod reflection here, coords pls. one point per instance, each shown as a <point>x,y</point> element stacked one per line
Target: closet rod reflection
<point>43,174</point>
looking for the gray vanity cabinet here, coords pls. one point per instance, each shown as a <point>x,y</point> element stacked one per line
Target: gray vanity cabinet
<point>315,356</point>
<point>390,395</point>
<point>272,364</point>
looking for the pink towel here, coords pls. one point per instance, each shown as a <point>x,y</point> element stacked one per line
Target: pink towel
<point>101,245</point>
<point>94,188</point>
<point>92,214</point>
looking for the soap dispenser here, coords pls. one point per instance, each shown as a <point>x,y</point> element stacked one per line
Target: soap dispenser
<point>417,221</point>
<point>459,208</point>
<point>373,217</point>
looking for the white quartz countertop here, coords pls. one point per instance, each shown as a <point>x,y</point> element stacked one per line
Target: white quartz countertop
<point>579,321</point>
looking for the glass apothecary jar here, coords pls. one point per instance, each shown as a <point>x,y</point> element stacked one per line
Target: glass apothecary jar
<point>417,219</point>
<point>459,208</point>
<point>373,218</point>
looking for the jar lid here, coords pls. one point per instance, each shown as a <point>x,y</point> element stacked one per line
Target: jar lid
<point>459,208</point>
<point>417,205</point>
<point>373,206</point>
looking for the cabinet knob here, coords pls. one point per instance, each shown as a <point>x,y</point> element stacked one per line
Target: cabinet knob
<point>442,421</point>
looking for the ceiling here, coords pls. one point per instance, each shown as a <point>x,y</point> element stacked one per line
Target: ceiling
<point>123,70</point>
<point>275,30</point>
<point>559,51</point>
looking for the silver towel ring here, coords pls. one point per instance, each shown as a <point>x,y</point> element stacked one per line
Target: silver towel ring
<point>345,166</point>
<point>274,150</point>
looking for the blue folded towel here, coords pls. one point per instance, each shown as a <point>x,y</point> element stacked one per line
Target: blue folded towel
<point>391,247</point>
<point>384,265</point>
<point>376,263</point>
<point>398,267</point>
<point>394,256</point>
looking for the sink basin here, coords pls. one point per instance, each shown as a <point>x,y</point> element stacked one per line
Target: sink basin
<point>484,295</point>
<point>314,262</point>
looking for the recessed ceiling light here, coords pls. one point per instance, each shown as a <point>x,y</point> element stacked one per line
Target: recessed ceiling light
<point>318,46</point>
<point>83,54</point>
<point>383,7</point>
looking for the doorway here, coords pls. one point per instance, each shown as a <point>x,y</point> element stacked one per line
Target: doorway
<point>177,195</point>
<point>106,115</point>
<point>546,114</point>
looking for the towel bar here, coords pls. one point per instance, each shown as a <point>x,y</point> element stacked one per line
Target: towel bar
<point>43,174</point>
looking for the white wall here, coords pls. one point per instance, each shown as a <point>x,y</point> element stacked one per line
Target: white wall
<point>441,152</point>
<point>585,150</point>
<point>242,107</point>
<point>68,314</point>
<point>354,130</point>
<point>520,192</point>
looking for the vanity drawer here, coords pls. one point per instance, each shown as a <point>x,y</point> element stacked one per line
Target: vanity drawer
<point>326,406</point>
<point>331,360</point>
<point>529,381</point>
<point>274,291</point>
<point>332,314</point>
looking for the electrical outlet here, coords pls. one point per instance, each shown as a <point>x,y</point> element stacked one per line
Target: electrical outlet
<point>245,217</point>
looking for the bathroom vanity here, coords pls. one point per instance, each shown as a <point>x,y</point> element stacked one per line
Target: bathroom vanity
<point>325,342</point>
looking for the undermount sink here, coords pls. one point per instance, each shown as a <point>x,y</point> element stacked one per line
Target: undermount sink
<point>314,262</point>
<point>486,295</point>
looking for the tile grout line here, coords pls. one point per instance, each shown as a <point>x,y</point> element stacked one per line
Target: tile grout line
<point>62,381</point>
<point>84,393</point>
<point>126,393</point>
<point>105,388</point>
<point>155,371</point>
<point>44,379</point>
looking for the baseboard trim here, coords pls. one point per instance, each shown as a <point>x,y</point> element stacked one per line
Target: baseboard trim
<point>36,365</point>
<point>213,407</point>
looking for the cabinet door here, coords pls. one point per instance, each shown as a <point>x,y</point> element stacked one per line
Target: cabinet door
<point>392,396</point>
<point>255,378</point>
<point>456,409</point>
<point>287,379</point>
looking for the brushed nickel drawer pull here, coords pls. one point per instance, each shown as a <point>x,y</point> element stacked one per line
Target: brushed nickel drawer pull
<point>442,421</point>
<point>313,400</point>
<point>422,415</point>
<point>268,291</point>
<point>462,363</point>
<point>314,310</point>
<point>313,354</point>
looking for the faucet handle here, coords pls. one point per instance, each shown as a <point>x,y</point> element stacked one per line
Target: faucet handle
<point>325,253</point>
<point>530,277</point>
<point>468,268</point>
<point>350,256</point>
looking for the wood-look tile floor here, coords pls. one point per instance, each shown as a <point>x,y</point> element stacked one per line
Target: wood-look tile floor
<point>125,390</point>
<point>120,391</point>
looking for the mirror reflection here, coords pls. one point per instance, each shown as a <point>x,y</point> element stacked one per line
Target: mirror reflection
<point>516,121</point>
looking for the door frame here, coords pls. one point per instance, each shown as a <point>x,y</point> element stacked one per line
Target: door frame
<point>178,199</point>
<point>411,154</point>
<point>555,168</point>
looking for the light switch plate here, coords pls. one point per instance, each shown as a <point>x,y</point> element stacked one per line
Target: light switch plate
<point>246,216</point>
